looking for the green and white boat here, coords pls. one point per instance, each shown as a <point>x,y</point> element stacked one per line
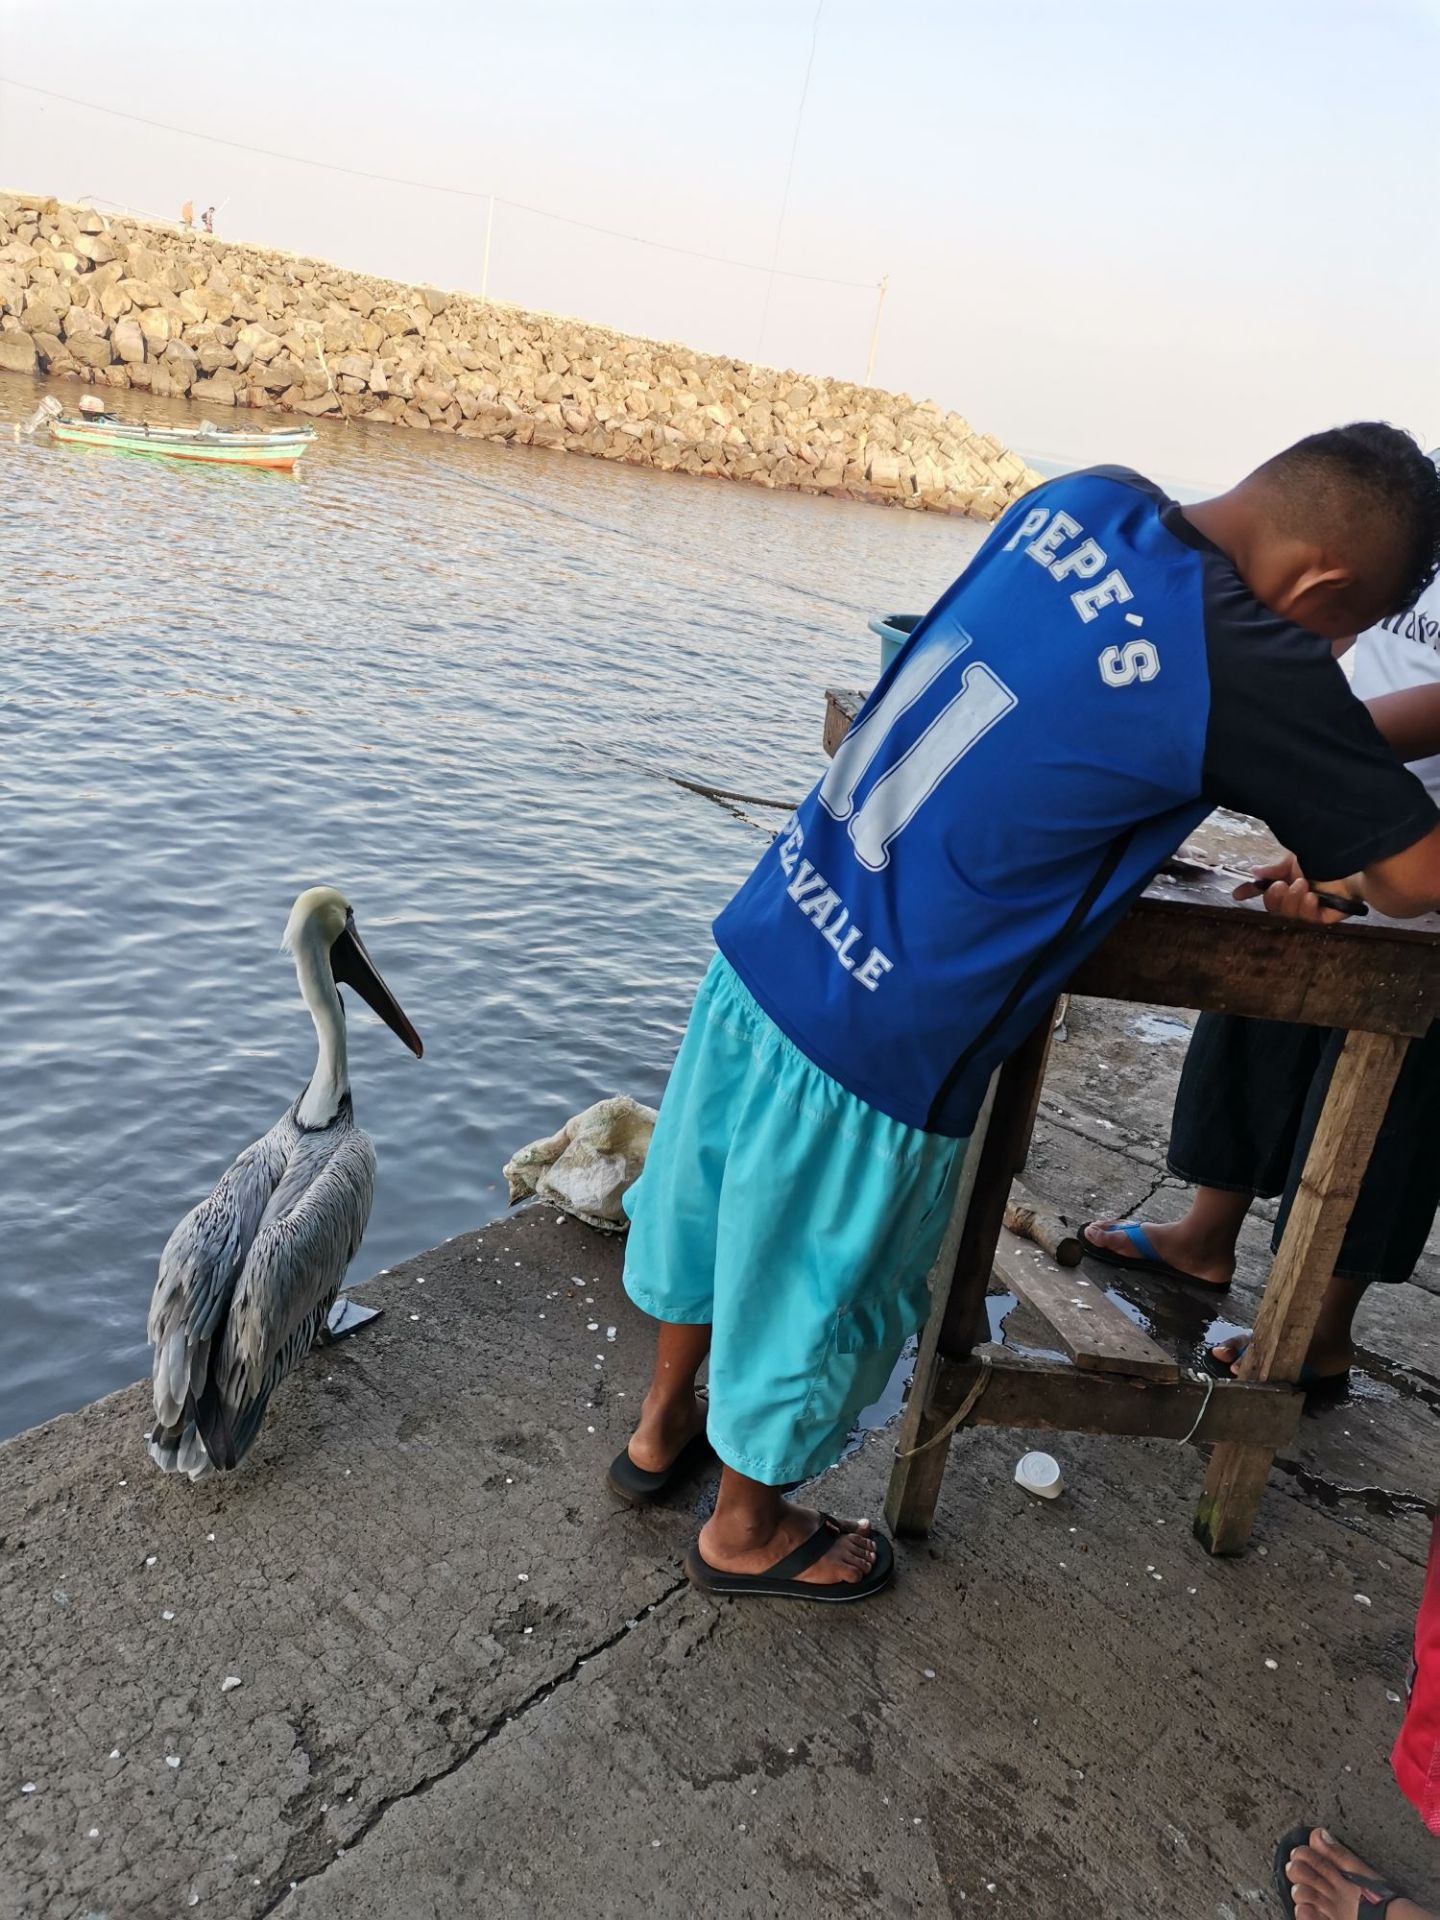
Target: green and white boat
<point>219,446</point>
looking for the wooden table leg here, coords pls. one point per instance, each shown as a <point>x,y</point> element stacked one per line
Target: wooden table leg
<point>1339,1154</point>
<point>915,1478</point>
<point>1043,1039</point>
<point>957,1309</point>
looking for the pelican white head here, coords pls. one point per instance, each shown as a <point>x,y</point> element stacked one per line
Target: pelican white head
<point>319,913</point>
<point>329,954</point>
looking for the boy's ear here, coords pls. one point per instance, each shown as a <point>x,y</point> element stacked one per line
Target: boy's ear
<point>1318,582</point>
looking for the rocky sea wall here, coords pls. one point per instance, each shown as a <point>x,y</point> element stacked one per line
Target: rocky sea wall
<point>139,305</point>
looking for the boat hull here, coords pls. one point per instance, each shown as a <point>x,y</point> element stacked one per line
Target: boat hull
<point>224,447</point>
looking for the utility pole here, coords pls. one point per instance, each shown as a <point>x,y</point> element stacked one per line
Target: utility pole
<point>875,331</point>
<point>485,268</point>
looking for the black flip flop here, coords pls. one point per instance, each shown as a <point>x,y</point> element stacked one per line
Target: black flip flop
<point>780,1582</point>
<point>638,1488</point>
<point>1300,1837</point>
<point>1145,1259</point>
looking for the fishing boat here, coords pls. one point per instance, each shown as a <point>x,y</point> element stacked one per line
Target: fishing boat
<point>220,446</point>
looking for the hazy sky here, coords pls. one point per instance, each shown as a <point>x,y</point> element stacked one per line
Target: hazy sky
<point>1177,233</point>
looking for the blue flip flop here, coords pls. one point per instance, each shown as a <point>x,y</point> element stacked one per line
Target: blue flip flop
<point>1317,1386</point>
<point>1145,1259</point>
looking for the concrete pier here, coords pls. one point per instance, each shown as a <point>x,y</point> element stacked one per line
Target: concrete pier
<point>470,1683</point>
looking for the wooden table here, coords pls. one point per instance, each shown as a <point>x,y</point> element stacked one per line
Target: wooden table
<point>1184,944</point>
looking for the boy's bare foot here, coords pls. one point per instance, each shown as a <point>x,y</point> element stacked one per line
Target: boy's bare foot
<point>733,1546</point>
<point>666,1428</point>
<point>1177,1243</point>
<point>1323,1877</point>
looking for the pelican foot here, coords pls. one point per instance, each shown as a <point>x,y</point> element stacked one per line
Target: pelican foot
<point>345,1317</point>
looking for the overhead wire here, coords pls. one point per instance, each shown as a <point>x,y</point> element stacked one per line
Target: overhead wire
<point>789,176</point>
<point>435,186</point>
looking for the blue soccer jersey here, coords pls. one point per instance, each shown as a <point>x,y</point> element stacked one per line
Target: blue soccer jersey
<point>1095,682</point>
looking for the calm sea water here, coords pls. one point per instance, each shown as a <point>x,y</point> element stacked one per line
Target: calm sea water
<point>439,675</point>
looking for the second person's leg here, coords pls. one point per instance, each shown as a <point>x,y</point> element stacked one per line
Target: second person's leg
<point>1238,1109</point>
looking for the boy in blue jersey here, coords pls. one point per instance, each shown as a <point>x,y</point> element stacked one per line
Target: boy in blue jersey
<point>1108,668</point>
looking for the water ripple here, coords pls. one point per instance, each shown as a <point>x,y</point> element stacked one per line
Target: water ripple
<point>434,672</point>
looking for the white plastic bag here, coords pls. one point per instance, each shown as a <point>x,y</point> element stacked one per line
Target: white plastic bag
<point>587,1167</point>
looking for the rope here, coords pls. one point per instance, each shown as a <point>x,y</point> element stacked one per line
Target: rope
<point>965,1408</point>
<point>1208,1382</point>
<point>720,793</point>
<point>725,795</point>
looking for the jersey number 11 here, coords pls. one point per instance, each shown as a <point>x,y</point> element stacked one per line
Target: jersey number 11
<point>963,716</point>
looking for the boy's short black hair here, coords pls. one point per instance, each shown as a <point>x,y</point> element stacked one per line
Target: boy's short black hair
<point>1393,477</point>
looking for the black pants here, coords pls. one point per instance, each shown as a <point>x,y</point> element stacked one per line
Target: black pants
<point>1249,1100</point>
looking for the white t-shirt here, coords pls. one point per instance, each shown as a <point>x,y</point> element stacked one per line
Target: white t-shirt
<point>1403,651</point>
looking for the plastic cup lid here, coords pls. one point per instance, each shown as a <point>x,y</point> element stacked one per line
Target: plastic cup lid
<point>1038,1471</point>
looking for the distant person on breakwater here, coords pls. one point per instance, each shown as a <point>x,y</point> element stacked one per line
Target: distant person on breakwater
<point>207,219</point>
<point>1110,667</point>
<point>187,215</point>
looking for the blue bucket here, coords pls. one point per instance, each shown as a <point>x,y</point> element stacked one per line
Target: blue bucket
<point>893,629</point>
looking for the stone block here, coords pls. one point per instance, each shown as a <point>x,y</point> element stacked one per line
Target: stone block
<point>157,328</point>
<point>44,312</point>
<point>218,390</point>
<point>90,349</point>
<point>128,341</point>
<point>95,247</point>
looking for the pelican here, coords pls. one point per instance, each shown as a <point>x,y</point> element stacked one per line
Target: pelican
<point>249,1276</point>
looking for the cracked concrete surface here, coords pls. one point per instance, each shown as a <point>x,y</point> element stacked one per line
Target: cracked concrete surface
<point>470,1683</point>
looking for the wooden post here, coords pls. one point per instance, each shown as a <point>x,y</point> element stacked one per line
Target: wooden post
<point>957,1307</point>
<point>915,1482</point>
<point>875,330</point>
<point>485,265</point>
<point>1043,1039</point>
<point>1360,1090</point>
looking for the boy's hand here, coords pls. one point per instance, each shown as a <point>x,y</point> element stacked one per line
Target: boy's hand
<point>1287,893</point>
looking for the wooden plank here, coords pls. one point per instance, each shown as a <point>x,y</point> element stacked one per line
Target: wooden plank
<point>1048,1396</point>
<point>1360,1090</point>
<point>1230,958</point>
<point>1027,1127</point>
<point>841,706</point>
<point>919,1468</point>
<point>1091,1328</point>
<point>1359,1093</point>
<point>963,1321</point>
<point>957,1310</point>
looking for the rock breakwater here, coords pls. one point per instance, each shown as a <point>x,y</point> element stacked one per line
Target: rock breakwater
<point>139,305</point>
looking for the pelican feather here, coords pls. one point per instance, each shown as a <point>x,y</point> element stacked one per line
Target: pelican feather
<point>248,1277</point>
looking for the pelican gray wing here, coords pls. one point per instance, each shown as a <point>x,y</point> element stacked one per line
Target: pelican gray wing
<point>292,1271</point>
<point>198,1269</point>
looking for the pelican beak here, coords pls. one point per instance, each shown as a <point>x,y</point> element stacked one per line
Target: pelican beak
<point>353,967</point>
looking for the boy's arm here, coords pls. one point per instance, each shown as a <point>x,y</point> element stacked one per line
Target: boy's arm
<point>1410,721</point>
<point>1401,887</point>
<point>1288,741</point>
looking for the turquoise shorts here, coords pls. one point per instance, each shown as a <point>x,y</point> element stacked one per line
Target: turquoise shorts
<point>796,1221</point>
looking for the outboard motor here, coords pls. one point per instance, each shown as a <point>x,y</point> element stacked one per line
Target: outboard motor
<point>48,409</point>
